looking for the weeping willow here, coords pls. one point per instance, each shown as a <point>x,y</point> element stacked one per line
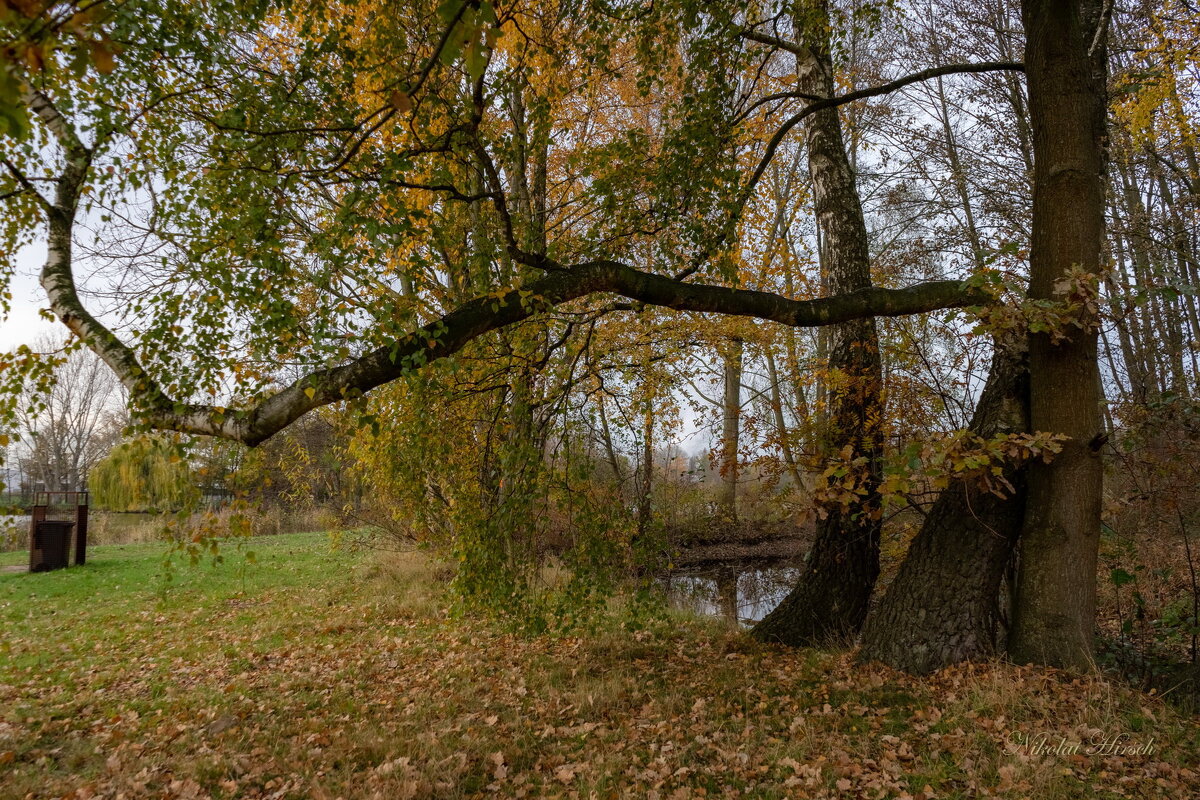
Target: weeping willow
<point>143,474</point>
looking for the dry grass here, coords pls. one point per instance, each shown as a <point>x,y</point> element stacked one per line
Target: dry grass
<point>110,528</point>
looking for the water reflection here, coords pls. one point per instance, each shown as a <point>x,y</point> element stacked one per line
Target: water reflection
<point>741,591</point>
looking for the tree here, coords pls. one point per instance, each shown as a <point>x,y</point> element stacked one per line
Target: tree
<point>839,572</point>
<point>1066,64</point>
<point>70,426</point>
<point>144,474</point>
<point>943,605</point>
<point>731,414</point>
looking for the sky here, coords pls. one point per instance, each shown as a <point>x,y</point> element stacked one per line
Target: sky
<point>23,324</point>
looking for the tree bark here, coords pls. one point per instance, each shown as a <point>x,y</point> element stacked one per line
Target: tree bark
<point>942,607</point>
<point>1066,63</point>
<point>731,427</point>
<point>830,601</point>
<point>782,429</point>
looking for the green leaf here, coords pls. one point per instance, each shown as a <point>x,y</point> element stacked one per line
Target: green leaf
<point>448,10</point>
<point>475,60</point>
<point>450,51</point>
<point>486,13</point>
<point>14,119</point>
<point>1120,577</point>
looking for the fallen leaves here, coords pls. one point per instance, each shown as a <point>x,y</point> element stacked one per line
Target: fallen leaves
<point>321,691</point>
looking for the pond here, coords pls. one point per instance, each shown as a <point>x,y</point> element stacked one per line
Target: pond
<point>744,591</point>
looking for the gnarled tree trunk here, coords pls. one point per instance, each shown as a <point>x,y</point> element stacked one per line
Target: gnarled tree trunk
<point>942,607</point>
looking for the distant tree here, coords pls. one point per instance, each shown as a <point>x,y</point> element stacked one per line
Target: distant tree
<point>70,427</point>
<point>143,474</point>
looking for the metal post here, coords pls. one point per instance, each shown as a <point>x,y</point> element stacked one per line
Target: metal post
<point>81,520</point>
<point>37,513</point>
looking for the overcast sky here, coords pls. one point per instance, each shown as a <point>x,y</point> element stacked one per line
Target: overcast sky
<point>23,323</point>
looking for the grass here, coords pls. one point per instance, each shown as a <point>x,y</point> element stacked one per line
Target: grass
<point>321,672</point>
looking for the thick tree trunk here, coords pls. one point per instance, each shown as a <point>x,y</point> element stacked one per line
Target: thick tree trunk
<point>1056,592</point>
<point>942,607</point>
<point>830,601</point>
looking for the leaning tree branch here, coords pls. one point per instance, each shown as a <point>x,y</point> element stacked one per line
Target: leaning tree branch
<point>453,331</point>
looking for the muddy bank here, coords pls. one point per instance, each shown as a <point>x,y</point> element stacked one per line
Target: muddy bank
<point>748,541</point>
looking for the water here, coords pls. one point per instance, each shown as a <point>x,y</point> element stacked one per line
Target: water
<point>744,592</point>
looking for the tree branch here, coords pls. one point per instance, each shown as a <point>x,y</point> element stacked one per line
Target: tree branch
<point>850,97</point>
<point>773,41</point>
<point>25,184</point>
<point>453,331</point>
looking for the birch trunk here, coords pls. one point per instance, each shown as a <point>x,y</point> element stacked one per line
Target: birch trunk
<point>830,600</point>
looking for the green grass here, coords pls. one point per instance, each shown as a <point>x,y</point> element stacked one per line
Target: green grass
<point>120,584</point>
<point>321,672</point>
<point>126,596</point>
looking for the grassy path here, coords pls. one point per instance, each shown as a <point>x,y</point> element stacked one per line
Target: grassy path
<point>324,673</point>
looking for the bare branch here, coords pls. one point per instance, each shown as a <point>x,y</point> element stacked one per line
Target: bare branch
<point>850,97</point>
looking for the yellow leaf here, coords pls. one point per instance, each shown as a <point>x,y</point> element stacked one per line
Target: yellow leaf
<point>102,57</point>
<point>401,101</point>
<point>309,392</point>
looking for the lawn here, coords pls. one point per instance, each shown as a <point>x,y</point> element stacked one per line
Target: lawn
<point>324,672</point>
